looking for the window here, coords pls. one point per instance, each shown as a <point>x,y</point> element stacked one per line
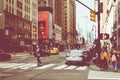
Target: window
<point>19,4</point>
<point>7,8</point>
<point>12,10</point>
<point>19,13</point>
<point>12,1</point>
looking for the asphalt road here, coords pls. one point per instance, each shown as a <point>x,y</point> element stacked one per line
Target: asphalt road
<point>24,67</point>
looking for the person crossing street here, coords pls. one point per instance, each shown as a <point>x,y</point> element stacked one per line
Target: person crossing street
<point>38,51</point>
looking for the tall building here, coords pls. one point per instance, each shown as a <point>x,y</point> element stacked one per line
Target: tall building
<point>110,22</point>
<point>116,23</point>
<point>34,20</point>
<point>68,21</point>
<point>104,16</point>
<point>64,18</point>
<point>17,23</point>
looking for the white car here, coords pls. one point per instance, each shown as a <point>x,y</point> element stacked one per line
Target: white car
<point>74,57</point>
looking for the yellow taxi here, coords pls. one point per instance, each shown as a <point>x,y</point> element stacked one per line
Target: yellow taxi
<point>54,50</point>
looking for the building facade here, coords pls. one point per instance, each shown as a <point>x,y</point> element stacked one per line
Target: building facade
<point>34,20</point>
<point>64,17</point>
<point>110,22</point>
<point>17,23</point>
<point>69,21</point>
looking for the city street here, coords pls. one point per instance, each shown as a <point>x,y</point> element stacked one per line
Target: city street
<point>24,67</point>
<point>88,30</point>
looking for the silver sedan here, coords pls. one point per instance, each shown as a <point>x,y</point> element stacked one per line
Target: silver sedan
<point>74,57</point>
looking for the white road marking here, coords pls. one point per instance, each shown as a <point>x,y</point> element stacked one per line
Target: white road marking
<point>81,68</point>
<point>29,66</point>
<point>103,75</point>
<point>45,66</point>
<point>11,65</point>
<point>70,67</point>
<point>60,67</point>
<point>18,65</point>
<point>34,66</point>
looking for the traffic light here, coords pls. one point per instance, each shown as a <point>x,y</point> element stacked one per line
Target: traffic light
<point>93,16</point>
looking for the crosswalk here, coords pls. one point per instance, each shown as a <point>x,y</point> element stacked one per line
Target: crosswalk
<point>103,75</point>
<point>45,66</point>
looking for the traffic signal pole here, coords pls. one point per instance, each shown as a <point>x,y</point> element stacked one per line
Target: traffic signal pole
<point>99,45</point>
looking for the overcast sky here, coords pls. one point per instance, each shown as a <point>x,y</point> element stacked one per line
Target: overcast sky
<point>83,23</point>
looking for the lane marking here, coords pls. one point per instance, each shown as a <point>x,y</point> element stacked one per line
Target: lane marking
<point>81,68</point>
<point>45,66</point>
<point>70,67</point>
<point>60,67</point>
<point>103,75</point>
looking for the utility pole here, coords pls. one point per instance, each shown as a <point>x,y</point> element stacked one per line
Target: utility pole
<point>99,45</point>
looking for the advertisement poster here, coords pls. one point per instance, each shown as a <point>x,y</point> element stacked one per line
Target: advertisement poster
<point>43,24</point>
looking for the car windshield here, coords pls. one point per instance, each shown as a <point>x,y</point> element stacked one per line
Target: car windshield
<point>75,53</point>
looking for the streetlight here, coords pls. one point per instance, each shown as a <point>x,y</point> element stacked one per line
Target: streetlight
<point>94,28</point>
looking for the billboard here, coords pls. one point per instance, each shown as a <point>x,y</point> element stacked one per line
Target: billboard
<point>43,24</point>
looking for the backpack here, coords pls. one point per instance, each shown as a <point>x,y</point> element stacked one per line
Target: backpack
<point>114,58</point>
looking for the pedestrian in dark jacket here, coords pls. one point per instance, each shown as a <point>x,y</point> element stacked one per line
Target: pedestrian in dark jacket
<point>38,51</point>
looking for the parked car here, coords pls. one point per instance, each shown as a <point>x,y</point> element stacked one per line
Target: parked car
<point>4,56</point>
<point>54,51</point>
<point>74,57</point>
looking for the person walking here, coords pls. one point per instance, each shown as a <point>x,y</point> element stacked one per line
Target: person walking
<point>114,59</point>
<point>105,56</point>
<point>38,51</point>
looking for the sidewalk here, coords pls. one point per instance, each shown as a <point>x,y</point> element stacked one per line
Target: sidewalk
<point>110,68</point>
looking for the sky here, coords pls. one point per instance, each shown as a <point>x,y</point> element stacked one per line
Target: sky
<point>83,23</point>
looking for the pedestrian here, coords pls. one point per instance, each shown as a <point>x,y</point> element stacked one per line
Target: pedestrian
<point>28,49</point>
<point>105,56</point>
<point>38,51</point>
<point>114,59</point>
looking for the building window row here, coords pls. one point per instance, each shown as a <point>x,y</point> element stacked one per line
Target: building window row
<point>19,5</point>
<point>9,9</point>
<point>10,1</point>
<point>34,36</point>
<point>27,17</point>
<point>17,23</point>
<point>34,5</point>
<point>27,9</point>
<point>34,13</point>
<point>19,13</point>
<point>27,1</point>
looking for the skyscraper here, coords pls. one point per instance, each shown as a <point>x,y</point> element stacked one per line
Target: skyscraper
<point>64,12</point>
